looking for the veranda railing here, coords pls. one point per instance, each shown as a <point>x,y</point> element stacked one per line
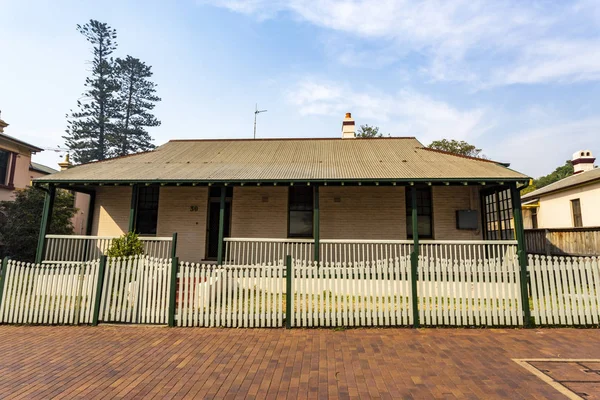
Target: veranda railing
<point>79,248</point>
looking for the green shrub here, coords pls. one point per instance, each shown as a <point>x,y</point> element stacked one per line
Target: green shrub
<point>126,246</point>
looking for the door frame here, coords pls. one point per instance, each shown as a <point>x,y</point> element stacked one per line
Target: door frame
<point>212,200</point>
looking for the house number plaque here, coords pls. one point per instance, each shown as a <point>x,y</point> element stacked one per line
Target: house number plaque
<point>194,208</point>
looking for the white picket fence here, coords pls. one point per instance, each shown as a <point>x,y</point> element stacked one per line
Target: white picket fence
<point>565,290</point>
<point>469,293</point>
<point>136,290</point>
<point>361,294</point>
<point>48,294</point>
<point>231,296</point>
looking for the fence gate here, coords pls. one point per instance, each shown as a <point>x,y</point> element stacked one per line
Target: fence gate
<point>136,290</point>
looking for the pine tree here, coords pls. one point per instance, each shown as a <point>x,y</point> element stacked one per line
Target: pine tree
<point>89,129</point>
<point>136,99</point>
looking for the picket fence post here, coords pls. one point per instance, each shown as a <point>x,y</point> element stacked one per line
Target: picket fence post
<point>99,284</point>
<point>3,270</point>
<point>289,292</point>
<point>173,290</point>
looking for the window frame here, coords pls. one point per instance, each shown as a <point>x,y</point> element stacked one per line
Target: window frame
<point>5,177</point>
<point>312,213</point>
<point>142,198</point>
<point>408,204</point>
<point>497,213</point>
<point>576,218</point>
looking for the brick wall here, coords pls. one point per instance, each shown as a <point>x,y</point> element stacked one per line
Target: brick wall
<point>446,201</point>
<point>362,212</point>
<point>111,211</point>
<point>175,215</point>
<point>254,218</point>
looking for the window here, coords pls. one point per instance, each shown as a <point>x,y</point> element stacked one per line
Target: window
<point>424,211</point>
<point>300,216</point>
<point>4,157</point>
<point>147,210</point>
<point>576,210</point>
<point>498,214</point>
<point>534,218</point>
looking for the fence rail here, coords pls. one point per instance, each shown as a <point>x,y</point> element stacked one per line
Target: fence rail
<point>48,294</point>
<point>80,248</point>
<point>255,251</point>
<point>584,242</point>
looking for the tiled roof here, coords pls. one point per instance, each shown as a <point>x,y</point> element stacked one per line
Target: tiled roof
<point>42,168</point>
<point>287,159</point>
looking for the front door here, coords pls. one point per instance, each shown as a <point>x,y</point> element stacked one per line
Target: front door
<point>213,221</point>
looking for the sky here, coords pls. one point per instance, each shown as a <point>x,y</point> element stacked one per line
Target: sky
<point>519,79</point>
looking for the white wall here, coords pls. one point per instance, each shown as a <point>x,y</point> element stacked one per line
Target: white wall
<point>555,209</point>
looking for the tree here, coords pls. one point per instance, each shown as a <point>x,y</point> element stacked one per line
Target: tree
<point>21,218</point>
<point>135,100</point>
<point>367,132</point>
<point>89,128</point>
<point>457,147</point>
<point>559,173</point>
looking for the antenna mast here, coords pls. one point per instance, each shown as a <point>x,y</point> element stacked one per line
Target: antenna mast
<point>256,112</point>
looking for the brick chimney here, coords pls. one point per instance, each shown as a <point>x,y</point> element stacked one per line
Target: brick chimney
<point>583,161</point>
<point>348,127</point>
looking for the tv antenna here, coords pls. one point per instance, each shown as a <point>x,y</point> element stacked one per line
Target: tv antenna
<point>256,112</point>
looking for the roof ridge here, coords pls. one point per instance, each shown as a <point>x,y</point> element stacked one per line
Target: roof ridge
<point>287,139</point>
<point>462,156</point>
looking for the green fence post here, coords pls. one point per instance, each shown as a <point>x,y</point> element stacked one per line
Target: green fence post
<point>135,190</point>
<point>45,224</point>
<point>221,225</point>
<point>515,196</point>
<point>414,257</point>
<point>289,293</point>
<point>173,290</point>
<point>3,270</point>
<point>174,246</point>
<point>99,284</point>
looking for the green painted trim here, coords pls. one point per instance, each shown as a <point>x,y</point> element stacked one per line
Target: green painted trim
<point>515,195</point>
<point>289,292</point>
<point>174,245</point>
<point>3,271</point>
<point>316,224</point>
<point>221,225</point>
<point>90,217</point>
<point>173,290</point>
<point>45,224</point>
<point>99,284</point>
<point>135,190</point>
<point>414,257</point>
<point>473,180</point>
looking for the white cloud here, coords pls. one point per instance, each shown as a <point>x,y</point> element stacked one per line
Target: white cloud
<point>462,40</point>
<point>405,113</point>
<point>539,151</point>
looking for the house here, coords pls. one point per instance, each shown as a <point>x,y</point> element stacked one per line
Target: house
<point>16,168</point>
<point>335,199</point>
<point>571,202</point>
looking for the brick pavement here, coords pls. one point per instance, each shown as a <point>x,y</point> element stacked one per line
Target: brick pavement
<point>158,362</point>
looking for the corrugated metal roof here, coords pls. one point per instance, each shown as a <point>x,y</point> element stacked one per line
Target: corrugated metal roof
<point>573,180</point>
<point>287,159</point>
<point>42,168</point>
<point>20,142</point>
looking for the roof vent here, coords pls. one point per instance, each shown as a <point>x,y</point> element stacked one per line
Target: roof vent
<point>348,127</point>
<point>583,160</point>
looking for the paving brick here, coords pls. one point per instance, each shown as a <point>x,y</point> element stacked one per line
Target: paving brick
<point>151,362</point>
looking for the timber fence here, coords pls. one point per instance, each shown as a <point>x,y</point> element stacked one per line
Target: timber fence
<point>399,291</point>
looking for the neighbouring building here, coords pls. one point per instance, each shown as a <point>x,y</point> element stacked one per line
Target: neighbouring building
<point>572,202</point>
<point>16,168</point>
<point>241,201</point>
